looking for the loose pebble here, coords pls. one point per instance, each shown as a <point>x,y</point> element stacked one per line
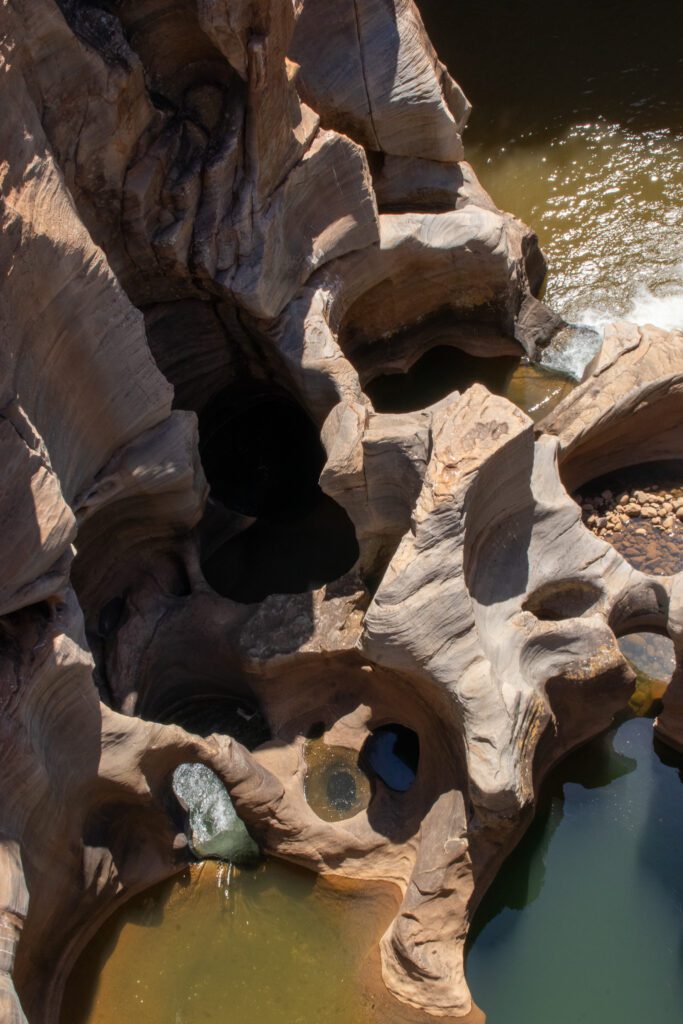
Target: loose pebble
<point>624,517</point>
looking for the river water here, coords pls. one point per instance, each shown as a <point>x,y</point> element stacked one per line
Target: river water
<point>577,129</point>
<point>584,925</point>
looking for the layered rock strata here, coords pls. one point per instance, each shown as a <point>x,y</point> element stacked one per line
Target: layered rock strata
<point>272,199</point>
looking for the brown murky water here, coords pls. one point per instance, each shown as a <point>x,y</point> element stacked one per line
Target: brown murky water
<point>336,786</point>
<point>443,370</point>
<point>217,945</point>
<point>577,128</point>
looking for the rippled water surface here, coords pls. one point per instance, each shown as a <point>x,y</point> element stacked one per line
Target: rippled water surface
<point>577,128</point>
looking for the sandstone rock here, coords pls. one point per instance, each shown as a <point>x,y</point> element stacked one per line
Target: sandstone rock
<point>360,73</point>
<point>158,156</point>
<point>13,907</point>
<point>627,410</point>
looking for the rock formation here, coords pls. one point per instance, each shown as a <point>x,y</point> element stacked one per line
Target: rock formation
<point>220,222</point>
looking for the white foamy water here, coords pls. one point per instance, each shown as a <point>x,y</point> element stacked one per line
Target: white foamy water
<point>661,309</point>
<point>572,355</point>
<point>607,201</point>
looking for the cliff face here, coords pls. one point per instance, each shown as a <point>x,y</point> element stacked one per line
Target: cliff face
<point>218,222</point>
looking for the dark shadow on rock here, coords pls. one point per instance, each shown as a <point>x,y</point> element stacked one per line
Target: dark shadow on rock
<point>499,520</point>
<point>263,458</point>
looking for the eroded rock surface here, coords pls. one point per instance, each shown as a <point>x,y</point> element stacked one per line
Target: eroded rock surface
<point>219,222</point>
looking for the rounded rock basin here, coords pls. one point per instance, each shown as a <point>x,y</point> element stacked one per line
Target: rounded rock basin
<point>218,945</point>
<point>336,786</point>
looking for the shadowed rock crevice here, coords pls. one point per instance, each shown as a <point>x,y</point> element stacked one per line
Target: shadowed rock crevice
<point>262,457</point>
<point>564,599</point>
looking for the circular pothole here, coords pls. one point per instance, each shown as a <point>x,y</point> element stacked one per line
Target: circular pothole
<point>336,787</point>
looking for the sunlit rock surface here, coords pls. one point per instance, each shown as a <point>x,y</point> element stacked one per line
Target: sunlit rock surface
<point>204,222</point>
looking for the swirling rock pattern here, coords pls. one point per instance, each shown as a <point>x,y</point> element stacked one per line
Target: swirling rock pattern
<point>270,198</point>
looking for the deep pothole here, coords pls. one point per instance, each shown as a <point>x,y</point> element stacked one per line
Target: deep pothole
<point>340,781</point>
<point>269,527</point>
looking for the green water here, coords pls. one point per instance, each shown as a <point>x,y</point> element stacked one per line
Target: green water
<point>584,922</point>
<point>272,945</point>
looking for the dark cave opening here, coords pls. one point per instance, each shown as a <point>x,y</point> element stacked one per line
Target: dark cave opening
<point>441,371</point>
<point>261,455</point>
<point>269,527</point>
<point>392,753</point>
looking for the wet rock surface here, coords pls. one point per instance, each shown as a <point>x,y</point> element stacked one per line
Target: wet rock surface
<point>215,830</point>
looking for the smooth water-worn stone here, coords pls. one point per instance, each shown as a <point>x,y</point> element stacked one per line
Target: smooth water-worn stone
<point>216,830</point>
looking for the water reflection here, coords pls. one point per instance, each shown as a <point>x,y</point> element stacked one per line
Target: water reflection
<point>584,921</point>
